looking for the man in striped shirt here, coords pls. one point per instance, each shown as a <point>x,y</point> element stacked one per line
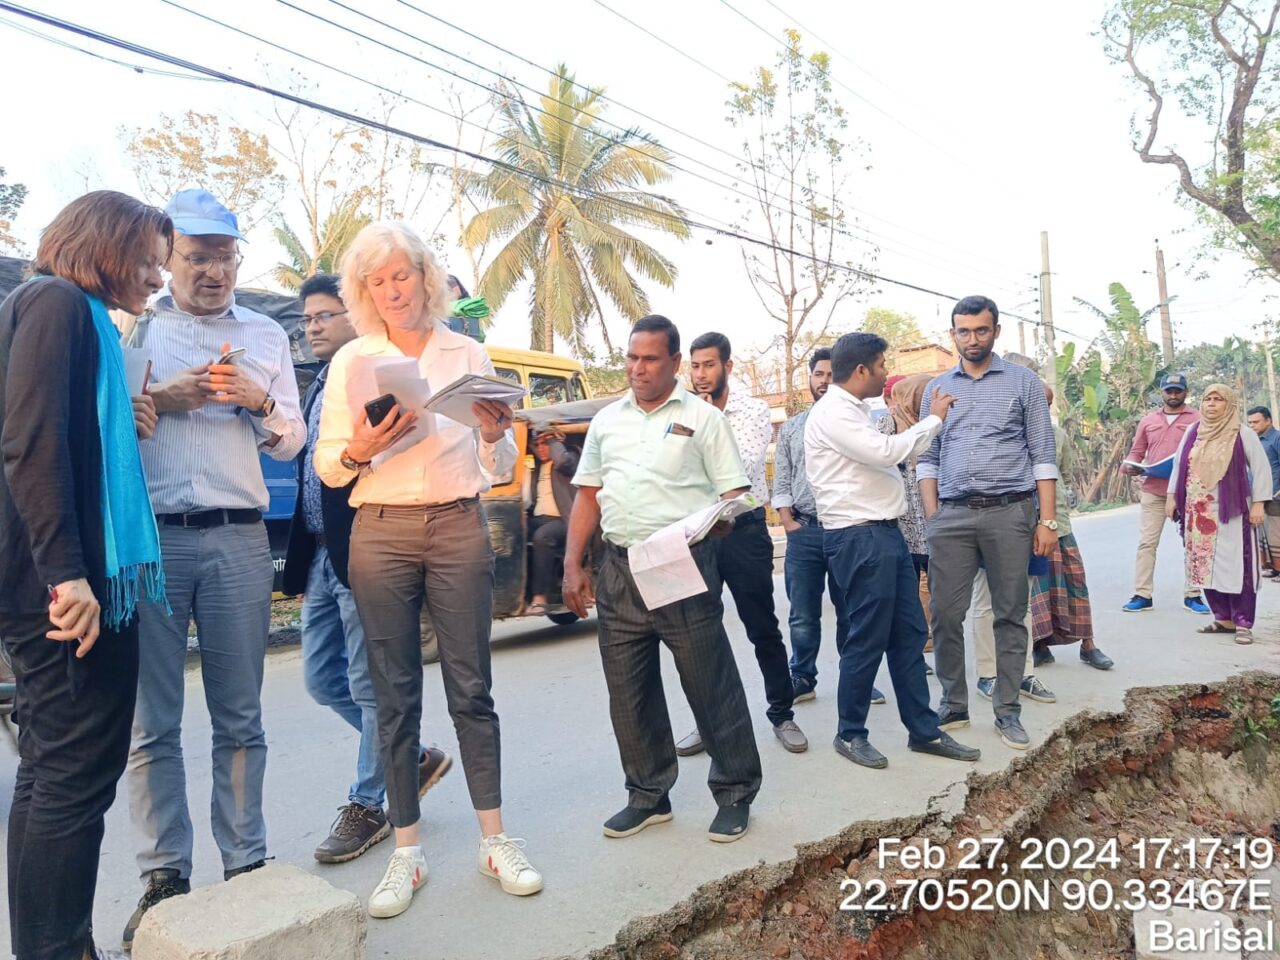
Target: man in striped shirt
<point>982,481</point>
<point>208,494</point>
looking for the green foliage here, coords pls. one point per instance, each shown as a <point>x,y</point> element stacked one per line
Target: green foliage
<point>1102,394</point>
<point>566,215</point>
<point>325,254</point>
<point>898,329</point>
<point>1236,362</point>
<point>607,376</point>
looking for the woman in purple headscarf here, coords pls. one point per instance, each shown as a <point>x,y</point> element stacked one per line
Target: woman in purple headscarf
<point>1221,480</point>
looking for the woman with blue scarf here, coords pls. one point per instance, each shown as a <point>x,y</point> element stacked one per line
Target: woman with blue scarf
<point>78,553</point>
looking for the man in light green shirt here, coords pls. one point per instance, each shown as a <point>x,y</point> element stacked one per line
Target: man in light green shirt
<point>651,458</point>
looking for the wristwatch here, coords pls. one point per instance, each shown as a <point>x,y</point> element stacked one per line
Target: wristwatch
<point>1051,524</point>
<point>268,407</point>
<point>351,464</point>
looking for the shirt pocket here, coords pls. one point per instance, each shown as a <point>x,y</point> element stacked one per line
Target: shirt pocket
<point>674,454</point>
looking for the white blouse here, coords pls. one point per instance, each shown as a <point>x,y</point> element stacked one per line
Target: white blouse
<point>453,463</point>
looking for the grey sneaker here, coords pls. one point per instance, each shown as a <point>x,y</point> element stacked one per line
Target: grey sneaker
<point>876,695</point>
<point>690,746</point>
<point>1033,689</point>
<point>356,830</point>
<point>1012,732</point>
<point>802,689</point>
<point>985,685</point>
<point>791,736</point>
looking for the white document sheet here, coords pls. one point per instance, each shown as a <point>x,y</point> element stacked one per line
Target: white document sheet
<point>663,566</point>
<point>137,368</point>
<point>455,400</point>
<point>402,379</point>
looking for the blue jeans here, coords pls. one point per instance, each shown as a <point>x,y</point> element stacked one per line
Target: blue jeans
<point>805,573</point>
<point>336,670</point>
<point>881,590</point>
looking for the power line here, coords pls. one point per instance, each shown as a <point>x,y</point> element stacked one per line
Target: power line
<point>183,64</point>
<point>119,63</point>
<point>497,92</point>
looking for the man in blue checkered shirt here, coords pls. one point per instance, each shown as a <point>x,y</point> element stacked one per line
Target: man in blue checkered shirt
<point>988,486</point>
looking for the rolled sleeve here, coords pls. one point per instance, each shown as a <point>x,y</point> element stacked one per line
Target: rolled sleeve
<point>589,467</point>
<point>1039,427</point>
<point>496,459</point>
<point>782,469</point>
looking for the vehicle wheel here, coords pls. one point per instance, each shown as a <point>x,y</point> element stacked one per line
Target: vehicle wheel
<point>563,618</point>
<point>430,643</point>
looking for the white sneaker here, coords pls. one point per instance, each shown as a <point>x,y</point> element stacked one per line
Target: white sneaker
<point>406,872</point>
<point>502,858</point>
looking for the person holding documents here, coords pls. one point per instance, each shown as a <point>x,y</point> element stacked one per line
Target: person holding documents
<point>853,470</point>
<point>225,392</point>
<point>79,553</point>
<point>651,459</point>
<point>420,536</point>
<point>1157,439</point>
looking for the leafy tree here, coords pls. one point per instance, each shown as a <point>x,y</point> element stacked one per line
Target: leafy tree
<point>12,197</point>
<point>795,146</point>
<point>898,329</point>
<point>332,240</point>
<point>1210,58</point>
<point>1236,362</point>
<point>195,149</point>
<point>564,207</point>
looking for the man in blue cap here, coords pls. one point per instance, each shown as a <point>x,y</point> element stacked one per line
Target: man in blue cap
<point>1159,434</point>
<point>224,391</point>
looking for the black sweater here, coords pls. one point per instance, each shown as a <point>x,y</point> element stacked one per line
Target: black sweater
<point>50,499</point>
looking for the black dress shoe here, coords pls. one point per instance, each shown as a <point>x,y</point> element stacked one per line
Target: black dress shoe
<point>1042,656</point>
<point>1096,659</point>
<point>356,830</point>
<point>730,823</point>
<point>949,719</point>
<point>247,868</point>
<point>861,752</point>
<point>945,747</point>
<point>630,820</point>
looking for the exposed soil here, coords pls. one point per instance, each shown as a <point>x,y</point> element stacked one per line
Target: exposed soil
<point>1184,762</point>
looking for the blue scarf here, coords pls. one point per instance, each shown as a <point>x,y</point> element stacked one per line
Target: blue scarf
<point>133,568</point>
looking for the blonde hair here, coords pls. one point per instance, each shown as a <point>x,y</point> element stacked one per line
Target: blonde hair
<point>372,248</point>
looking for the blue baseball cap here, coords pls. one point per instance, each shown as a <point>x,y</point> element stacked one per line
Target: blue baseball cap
<point>198,213</point>
<point>1174,381</point>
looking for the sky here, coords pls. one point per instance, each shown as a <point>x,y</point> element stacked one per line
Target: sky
<point>984,124</point>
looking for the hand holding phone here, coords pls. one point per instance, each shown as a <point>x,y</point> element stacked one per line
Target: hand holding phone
<point>230,356</point>
<point>378,409</point>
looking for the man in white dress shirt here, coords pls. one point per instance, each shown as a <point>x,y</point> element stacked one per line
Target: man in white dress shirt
<point>853,469</point>
<point>745,556</point>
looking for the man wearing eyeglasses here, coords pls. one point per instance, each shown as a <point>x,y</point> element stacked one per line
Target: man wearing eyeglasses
<point>208,493</point>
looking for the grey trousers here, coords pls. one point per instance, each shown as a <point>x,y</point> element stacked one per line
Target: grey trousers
<point>402,557</point>
<point>693,629</point>
<point>1002,538</point>
<point>222,576</point>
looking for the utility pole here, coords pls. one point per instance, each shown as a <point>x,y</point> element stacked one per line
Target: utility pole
<point>1022,338</point>
<point>1166,325</point>
<point>1046,316</point>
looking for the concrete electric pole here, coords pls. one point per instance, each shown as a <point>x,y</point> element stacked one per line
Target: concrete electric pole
<point>1046,316</point>
<point>1166,325</point>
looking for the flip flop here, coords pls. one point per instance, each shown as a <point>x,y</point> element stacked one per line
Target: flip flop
<point>1216,627</point>
<point>1244,636</point>
<point>536,610</point>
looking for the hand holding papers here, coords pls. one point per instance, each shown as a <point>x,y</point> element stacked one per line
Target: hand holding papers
<point>455,400</point>
<point>371,377</point>
<point>662,565</point>
<point>137,369</point>
<point>1161,469</point>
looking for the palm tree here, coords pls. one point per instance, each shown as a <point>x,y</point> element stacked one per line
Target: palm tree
<point>563,201</point>
<point>327,246</point>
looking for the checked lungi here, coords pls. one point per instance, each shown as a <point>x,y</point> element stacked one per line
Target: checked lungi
<point>1060,609</point>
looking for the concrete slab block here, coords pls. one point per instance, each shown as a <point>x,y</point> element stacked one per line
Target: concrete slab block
<point>276,913</point>
<point>1180,933</point>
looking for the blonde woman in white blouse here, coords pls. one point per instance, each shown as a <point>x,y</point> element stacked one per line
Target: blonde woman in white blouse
<point>420,537</point>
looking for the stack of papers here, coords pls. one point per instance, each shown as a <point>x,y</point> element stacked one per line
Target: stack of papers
<point>1162,469</point>
<point>137,369</point>
<point>663,566</point>
<point>371,377</point>
<point>455,400</point>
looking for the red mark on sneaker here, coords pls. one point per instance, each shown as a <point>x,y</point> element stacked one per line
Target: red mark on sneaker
<point>491,866</point>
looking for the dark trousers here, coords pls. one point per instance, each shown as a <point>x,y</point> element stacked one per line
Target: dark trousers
<point>693,630</point>
<point>547,534</point>
<point>402,557</point>
<point>745,559</point>
<point>1001,537</point>
<point>806,574</point>
<point>74,719</point>
<point>881,590</point>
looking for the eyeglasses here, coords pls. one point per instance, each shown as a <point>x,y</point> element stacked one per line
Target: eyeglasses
<point>982,333</point>
<point>323,317</point>
<point>201,262</point>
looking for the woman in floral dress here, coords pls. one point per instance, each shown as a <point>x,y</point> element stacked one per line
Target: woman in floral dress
<point>1221,480</point>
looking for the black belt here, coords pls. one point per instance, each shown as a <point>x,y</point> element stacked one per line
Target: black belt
<point>209,518</point>
<point>746,519</point>
<point>804,519</point>
<point>979,503</point>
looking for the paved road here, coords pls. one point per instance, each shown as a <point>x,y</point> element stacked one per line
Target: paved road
<point>562,776</point>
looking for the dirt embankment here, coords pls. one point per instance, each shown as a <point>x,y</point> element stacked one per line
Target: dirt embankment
<point>1185,763</point>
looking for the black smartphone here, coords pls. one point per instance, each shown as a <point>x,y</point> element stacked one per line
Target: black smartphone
<point>378,409</point>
